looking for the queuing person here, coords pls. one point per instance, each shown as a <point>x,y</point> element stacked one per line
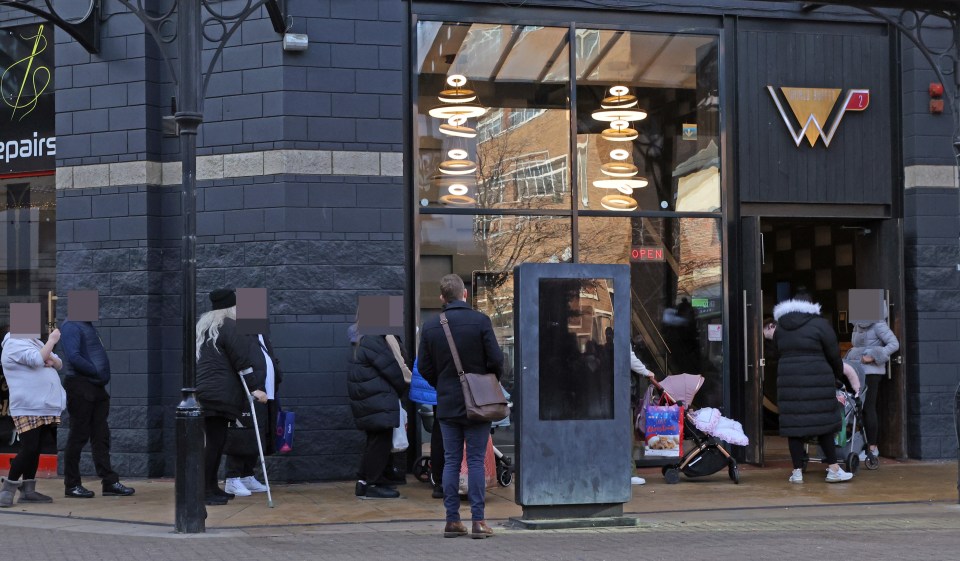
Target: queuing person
<point>422,392</point>
<point>87,369</point>
<point>375,383</point>
<point>223,355</point>
<point>240,477</point>
<point>36,402</point>
<point>809,366</point>
<point>637,367</point>
<point>873,344</point>
<point>472,333</point>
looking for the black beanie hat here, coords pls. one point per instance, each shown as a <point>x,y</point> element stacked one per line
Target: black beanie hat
<point>223,298</point>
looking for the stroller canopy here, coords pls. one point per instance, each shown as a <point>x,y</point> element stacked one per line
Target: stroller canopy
<point>682,387</point>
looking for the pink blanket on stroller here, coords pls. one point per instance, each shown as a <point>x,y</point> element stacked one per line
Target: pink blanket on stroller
<point>710,421</point>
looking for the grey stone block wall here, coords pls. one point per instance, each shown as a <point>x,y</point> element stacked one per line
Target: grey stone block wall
<point>315,242</point>
<point>933,320</point>
<point>931,277</point>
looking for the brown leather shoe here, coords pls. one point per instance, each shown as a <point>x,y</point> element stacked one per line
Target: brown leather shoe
<point>454,530</point>
<point>480,530</point>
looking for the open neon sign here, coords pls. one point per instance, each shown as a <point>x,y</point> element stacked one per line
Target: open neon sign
<point>644,254</point>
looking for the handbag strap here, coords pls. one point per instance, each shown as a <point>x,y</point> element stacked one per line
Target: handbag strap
<point>398,356</point>
<point>453,346</point>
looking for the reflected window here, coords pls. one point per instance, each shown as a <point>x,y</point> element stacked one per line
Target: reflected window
<point>647,117</point>
<point>28,245</point>
<point>676,276</point>
<point>494,124</point>
<point>483,250</point>
<point>576,349</point>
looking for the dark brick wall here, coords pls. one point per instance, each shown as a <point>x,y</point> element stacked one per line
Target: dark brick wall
<point>315,242</point>
<point>104,243</point>
<point>933,313</point>
<point>932,279</point>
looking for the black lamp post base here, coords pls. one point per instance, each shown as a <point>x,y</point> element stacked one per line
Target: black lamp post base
<point>191,513</point>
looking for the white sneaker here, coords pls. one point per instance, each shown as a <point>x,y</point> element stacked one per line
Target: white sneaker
<point>863,455</point>
<point>838,476</point>
<point>637,481</point>
<point>252,485</point>
<point>236,487</point>
<point>796,476</point>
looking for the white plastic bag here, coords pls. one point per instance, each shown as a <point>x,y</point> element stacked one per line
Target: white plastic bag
<point>400,442</point>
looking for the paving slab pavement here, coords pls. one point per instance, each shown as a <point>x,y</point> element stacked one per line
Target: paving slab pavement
<point>763,496</point>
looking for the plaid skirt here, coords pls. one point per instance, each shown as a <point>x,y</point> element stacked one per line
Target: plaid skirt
<point>29,422</point>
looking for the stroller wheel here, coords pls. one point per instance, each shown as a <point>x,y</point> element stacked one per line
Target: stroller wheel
<point>504,477</point>
<point>872,462</point>
<point>853,463</point>
<point>663,470</point>
<point>422,469</point>
<point>672,475</point>
<point>734,471</point>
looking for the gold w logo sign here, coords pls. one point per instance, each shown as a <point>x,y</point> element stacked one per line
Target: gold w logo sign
<point>813,106</point>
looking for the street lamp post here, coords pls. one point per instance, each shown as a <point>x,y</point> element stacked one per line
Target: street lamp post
<point>191,514</point>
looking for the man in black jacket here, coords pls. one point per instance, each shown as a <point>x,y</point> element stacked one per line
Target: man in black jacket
<point>472,333</point>
<point>87,374</point>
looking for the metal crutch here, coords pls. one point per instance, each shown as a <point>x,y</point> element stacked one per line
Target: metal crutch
<point>256,431</point>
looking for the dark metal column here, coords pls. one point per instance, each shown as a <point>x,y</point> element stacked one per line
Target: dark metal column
<point>190,510</point>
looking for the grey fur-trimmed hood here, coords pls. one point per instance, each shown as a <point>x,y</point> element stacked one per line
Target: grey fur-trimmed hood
<point>799,306</point>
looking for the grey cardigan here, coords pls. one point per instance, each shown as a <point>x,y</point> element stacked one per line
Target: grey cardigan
<point>35,389</point>
<point>873,339</point>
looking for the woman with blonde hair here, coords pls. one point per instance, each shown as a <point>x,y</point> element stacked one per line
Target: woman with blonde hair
<point>223,355</point>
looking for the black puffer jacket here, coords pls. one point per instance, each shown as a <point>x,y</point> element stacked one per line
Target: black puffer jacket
<point>809,367</point>
<point>375,384</point>
<point>218,385</point>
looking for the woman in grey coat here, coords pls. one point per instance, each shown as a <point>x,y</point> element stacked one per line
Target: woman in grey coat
<point>873,343</point>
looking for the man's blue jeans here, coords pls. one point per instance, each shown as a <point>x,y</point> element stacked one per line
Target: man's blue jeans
<point>476,437</point>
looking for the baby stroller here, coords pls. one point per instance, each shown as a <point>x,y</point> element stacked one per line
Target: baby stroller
<point>851,440</point>
<point>707,456</point>
<point>423,468</point>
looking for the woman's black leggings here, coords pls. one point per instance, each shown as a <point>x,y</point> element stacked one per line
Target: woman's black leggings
<point>795,443</point>
<point>26,462</point>
<point>870,420</point>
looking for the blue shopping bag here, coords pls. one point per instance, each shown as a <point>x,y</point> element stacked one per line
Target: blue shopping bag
<point>285,424</point>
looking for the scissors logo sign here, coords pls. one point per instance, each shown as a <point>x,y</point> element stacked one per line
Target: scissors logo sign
<point>34,78</point>
<point>812,108</point>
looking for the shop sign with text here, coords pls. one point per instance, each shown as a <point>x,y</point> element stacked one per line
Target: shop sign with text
<point>27,131</point>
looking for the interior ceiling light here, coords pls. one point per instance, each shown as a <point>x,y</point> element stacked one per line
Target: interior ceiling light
<point>455,127</point>
<point>621,184</point>
<point>621,203</point>
<point>620,98</point>
<point>458,200</point>
<point>466,110</point>
<point>619,154</point>
<point>458,189</point>
<point>619,169</point>
<point>619,131</point>
<point>458,101</point>
<point>457,154</point>
<point>619,106</point>
<point>458,94</point>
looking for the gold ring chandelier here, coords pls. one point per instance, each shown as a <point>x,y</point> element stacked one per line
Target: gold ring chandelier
<point>619,109</point>
<point>459,104</point>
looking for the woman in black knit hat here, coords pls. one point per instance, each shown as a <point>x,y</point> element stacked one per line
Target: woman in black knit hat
<point>222,354</point>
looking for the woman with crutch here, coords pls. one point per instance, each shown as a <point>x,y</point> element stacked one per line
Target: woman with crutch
<point>241,449</point>
<point>222,354</point>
